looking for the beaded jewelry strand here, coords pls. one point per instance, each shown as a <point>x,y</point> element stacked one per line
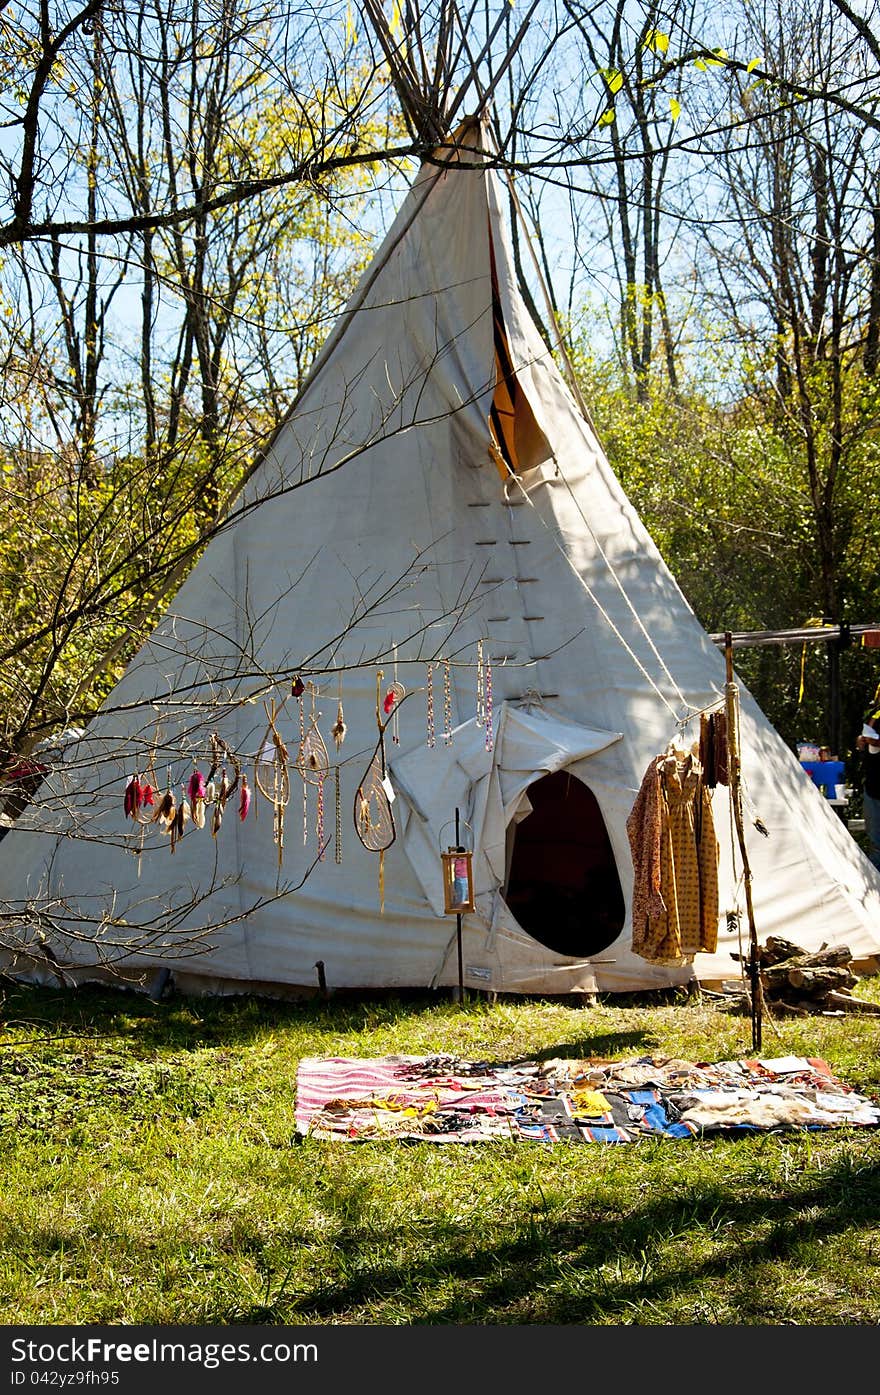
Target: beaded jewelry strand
<point>338,819</point>
<point>490,734</point>
<point>430,704</point>
<point>447,704</point>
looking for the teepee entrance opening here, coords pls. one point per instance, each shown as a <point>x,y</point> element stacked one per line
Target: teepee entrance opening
<point>562,885</point>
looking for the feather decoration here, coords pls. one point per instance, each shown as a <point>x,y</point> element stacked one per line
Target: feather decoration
<point>244,799</point>
<point>196,787</point>
<point>165,812</point>
<point>179,822</point>
<point>131,800</point>
<point>220,805</point>
<point>338,730</point>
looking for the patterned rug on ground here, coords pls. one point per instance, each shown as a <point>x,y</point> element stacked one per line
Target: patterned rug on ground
<point>443,1099</point>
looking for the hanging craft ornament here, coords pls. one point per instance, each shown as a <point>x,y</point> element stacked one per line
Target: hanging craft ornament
<point>481,686</point>
<point>338,730</point>
<point>298,690</point>
<point>397,692</point>
<point>166,809</point>
<point>319,821</point>
<point>392,700</point>
<point>218,794</point>
<point>429,705</point>
<point>244,799</point>
<point>197,791</point>
<point>143,813</point>
<point>179,822</point>
<point>138,801</point>
<point>312,760</point>
<point>133,797</point>
<point>447,704</point>
<point>490,730</point>
<point>338,819</point>
<point>220,804</point>
<point>271,775</point>
<point>373,819</point>
<point>313,764</point>
<point>144,806</point>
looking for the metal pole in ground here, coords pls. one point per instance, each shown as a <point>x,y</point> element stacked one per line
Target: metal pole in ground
<point>458,922</point>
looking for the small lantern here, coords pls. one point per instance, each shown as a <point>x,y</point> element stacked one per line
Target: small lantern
<point>458,880</point>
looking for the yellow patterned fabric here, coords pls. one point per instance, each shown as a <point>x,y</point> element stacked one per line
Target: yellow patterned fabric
<point>675,861</point>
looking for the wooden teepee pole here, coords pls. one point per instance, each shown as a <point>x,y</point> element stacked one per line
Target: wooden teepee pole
<point>731,698</point>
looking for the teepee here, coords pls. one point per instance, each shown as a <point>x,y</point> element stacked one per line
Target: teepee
<point>433,557</point>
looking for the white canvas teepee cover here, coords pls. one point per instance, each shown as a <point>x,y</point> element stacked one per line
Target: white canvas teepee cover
<point>377,526</point>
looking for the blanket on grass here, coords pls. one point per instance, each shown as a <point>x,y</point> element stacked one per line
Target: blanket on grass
<point>444,1099</point>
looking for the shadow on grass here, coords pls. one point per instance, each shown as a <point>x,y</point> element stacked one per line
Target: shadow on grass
<point>92,1012</point>
<point>600,1268</point>
<point>176,1023</point>
<point>600,1044</point>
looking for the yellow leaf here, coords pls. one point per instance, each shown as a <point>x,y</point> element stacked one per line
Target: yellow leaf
<point>607,117</point>
<point>750,67</point>
<point>395,24</point>
<point>716,62</point>
<point>675,108</point>
<point>656,41</point>
<point>613,79</point>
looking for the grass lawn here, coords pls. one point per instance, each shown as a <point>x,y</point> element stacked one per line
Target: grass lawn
<point>150,1175</point>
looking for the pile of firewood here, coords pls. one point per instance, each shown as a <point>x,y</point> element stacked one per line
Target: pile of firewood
<point>798,982</point>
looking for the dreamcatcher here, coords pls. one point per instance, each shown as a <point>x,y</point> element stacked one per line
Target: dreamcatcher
<point>271,774</point>
<point>313,764</point>
<point>373,819</point>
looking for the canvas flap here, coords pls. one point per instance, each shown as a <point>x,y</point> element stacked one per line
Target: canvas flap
<point>487,787</point>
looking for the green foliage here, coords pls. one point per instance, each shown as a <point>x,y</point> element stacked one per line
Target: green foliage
<point>107,499</point>
<point>722,485</point>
